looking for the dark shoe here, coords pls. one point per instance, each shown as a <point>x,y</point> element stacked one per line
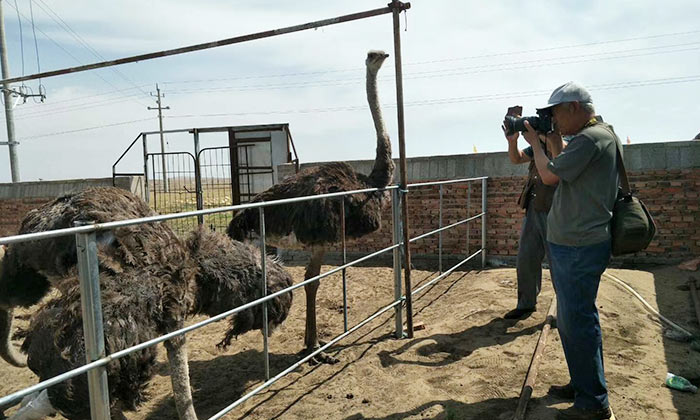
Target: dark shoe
<point>564,392</point>
<point>519,313</point>
<point>575,413</point>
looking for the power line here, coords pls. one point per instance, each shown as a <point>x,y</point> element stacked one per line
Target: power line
<point>484,68</point>
<point>524,64</point>
<point>463,99</point>
<point>69,53</point>
<point>509,53</point>
<point>57,133</point>
<point>66,27</point>
<point>426,102</point>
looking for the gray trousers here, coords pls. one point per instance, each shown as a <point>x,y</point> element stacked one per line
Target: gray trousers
<point>532,249</point>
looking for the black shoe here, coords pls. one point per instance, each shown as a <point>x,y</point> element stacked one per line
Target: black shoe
<point>564,392</point>
<point>575,413</point>
<point>519,313</point>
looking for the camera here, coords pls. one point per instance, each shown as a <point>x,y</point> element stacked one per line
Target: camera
<point>542,123</point>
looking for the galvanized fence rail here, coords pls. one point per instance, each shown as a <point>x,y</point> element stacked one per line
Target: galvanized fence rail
<point>92,315</point>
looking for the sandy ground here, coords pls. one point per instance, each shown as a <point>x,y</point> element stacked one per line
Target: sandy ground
<point>467,363</point>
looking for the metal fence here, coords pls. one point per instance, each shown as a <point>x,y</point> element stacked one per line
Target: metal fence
<point>92,309</point>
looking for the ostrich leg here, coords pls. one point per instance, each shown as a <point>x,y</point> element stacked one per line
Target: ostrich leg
<point>311,336</point>
<point>180,377</point>
<point>8,352</point>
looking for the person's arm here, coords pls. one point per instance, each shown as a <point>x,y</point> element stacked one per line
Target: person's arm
<point>515,155</point>
<point>541,159</point>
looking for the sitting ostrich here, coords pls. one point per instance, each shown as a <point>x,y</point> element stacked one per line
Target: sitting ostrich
<point>315,225</point>
<point>150,281</point>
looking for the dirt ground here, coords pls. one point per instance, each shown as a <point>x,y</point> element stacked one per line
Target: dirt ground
<point>468,363</point>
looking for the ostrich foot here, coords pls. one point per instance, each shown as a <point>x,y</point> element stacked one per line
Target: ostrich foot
<point>320,358</point>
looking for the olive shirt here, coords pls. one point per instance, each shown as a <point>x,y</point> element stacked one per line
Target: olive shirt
<point>588,182</point>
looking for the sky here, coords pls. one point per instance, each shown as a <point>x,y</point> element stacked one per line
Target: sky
<point>464,64</point>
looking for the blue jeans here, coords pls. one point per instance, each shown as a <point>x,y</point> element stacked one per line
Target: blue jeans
<point>576,272</point>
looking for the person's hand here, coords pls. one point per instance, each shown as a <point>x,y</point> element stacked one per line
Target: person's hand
<point>554,139</point>
<point>531,136</point>
<point>511,138</point>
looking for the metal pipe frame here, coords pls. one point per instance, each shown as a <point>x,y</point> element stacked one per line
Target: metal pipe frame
<point>483,223</point>
<point>213,44</point>
<point>345,261</point>
<point>101,362</point>
<point>164,217</point>
<point>397,256</point>
<point>440,232</point>
<point>88,273</point>
<point>263,265</point>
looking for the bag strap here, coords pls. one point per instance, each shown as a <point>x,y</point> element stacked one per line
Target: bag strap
<point>624,182</point>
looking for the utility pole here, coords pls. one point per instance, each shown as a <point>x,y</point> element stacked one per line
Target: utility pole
<point>162,142</point>
<point>7,94</point>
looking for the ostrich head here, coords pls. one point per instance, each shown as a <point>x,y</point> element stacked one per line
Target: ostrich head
<point>375,59</point>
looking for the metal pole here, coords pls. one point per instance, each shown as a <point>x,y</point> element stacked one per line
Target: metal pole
<point>396,224</point>
<point>440,234</point>
<point>263,264</point>
<point>214,44</point>
<point>345,261</point>
<point>483,223</point>
<point>162,141</point>
<point>88,271</point>
<point>469,201</point>
<point>397,8</point>
<point>9,118</point>
<point>199,191</point>
<point>147,190</point>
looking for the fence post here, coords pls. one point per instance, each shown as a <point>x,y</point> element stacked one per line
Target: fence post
<point>88,271</point>
<point>147,190</point>
<point>345,261</point>
<point>199,191</point>
<point>469,214</point>
<point>483,223</point>
<point>440,233</point>
<point>263,265</point>
<point>396,224</point>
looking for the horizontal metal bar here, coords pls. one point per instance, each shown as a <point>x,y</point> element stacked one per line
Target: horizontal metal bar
<point>204,46</point>
<point>127,174</point>
<point>121,353</point>
<point>446,227</point>
<point>121,223</point>
<point>448,272</point>
<point>452,181</point>
<point>302,361</point>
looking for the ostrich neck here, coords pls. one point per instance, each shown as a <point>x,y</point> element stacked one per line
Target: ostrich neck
<point>383,169</point>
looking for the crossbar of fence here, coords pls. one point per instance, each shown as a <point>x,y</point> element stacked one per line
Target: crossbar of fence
<point>9,399</point>
<point>433,232</point>
<point>121,353</point>
<point>164,217</point>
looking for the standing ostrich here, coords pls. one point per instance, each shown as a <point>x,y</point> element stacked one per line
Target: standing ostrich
<point>176,281</point>
<point>315,225</point>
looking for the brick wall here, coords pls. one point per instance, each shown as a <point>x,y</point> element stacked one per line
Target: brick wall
<point>16,199</point>
<point>665,176</point>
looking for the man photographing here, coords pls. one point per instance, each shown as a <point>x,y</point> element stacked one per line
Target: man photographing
<point>535,199</point>
<point>578,236</point>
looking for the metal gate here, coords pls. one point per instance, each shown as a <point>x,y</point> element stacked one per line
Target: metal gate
<point>182,181</point>
<point>172,186</point>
